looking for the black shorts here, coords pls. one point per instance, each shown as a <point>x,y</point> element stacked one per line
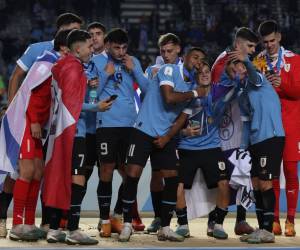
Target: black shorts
<point>112,144</point>
<point>141,147</point>
<point>78,156</point>
<point>211,161</point>
<point>91,158</point>
<point>266,158</point>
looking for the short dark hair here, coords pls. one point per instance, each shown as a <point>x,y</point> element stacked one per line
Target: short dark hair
<point>246,34</point>
<point>190,50</point>
<point>268,27</point>
<point>60,39</point>
<point>97,25</point>
<point>168,38</point>
<point>117,35</point>
<point>77,36</point>
<point>67,18</point>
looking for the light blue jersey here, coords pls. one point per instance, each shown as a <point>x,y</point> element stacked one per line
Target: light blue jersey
<point>207,113</point>
<point>32,53</point>
<point>260,103</point>
<point>123,111</point>
<point>155,116</point>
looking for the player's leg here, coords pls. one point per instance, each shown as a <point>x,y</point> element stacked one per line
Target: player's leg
<point>292,189</point>
<point>5,199</point>
<point>78,190</point>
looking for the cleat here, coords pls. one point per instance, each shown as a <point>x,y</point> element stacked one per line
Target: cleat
<point>77,237</point>
<point>165,233</point>
<point>54,236</point>
<point>210,229</point>
<point>183,230</point>
<point>126,232</point>
<point>289,229</point>
<point>277,228</point>
<point>138,225</point>
<point>41,233</point>
<point>154,226</point>
<point>105,230</point>
<point>23,232</point>
<point>219,232</point>
<point>262,236</point>
<point>243,228</point>
<point>245,238</point>
<point>3,229</point>
<point>116,223</point>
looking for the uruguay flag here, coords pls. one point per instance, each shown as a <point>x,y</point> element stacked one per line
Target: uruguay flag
<point>14,120</point>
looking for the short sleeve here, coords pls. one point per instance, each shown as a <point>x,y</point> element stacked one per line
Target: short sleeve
<point>29,57</point>
<point>166,75</point>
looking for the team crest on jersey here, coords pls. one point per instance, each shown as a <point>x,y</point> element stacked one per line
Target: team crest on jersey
<point>221,165</point>
<point>263,161</point>
<point>287,67</point>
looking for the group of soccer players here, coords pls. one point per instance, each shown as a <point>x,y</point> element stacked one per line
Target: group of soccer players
<point>179,124</point>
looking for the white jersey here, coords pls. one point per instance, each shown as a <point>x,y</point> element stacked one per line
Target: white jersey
<point>231,127</point>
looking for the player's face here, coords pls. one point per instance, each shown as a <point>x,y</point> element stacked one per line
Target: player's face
<point>70,26</point>
<point>117,51</point>
<point>204,75</point>
<point>246,46</point>
<point>85,50</point>
<point>169,52</point>
<point>234,69</point>
<point>97,38</point>
<point>272,43</point>
<point>192,60</point>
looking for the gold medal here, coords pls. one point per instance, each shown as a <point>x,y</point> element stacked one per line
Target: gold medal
<point>210,120</point>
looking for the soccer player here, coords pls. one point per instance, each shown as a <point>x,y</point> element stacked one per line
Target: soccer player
<point>201,147</point>
<point>65,21</point>
<point>263,133</point>
<point>231,128</point>
<point>27,186</point>
<point>169,47</point>
<point>71,81</point>
<point>284,75</point>
<point>165,99</point>
<point>117,73</point>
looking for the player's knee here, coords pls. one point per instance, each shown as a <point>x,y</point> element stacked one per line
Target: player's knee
<point>223,186</point>
<point>265,185</point>
<point>169,173</point>
<point>134,170</point>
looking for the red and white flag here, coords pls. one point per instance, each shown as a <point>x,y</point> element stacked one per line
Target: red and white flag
<point>68,87</point>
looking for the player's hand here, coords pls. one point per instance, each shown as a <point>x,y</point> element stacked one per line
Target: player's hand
<point>94,82</point>
<point>128,62</point>
<point>36,130</point>
<point>274,79</point>
<point>154,71</point>
<point>191,131</point>
<point>237,55</point>
<point>104,105</point>
<point>110,68</point>
<point>161,141</point>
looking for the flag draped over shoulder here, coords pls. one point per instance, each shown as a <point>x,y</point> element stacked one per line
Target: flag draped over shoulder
<point>14,120</point>
<point>68,86</point>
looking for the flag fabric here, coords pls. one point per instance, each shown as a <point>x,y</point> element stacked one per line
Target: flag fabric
<point>14,120</point>
<point>68,88</point>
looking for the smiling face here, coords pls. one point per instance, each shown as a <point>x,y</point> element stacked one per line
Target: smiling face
<point>204,75</point>
<point>272,43</point>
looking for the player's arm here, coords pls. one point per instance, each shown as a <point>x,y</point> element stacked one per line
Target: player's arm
<point>161,141</point>
<point>101,106</point>
<point>290,88</point>
<point>134,65</point>
<point>14,82</point>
